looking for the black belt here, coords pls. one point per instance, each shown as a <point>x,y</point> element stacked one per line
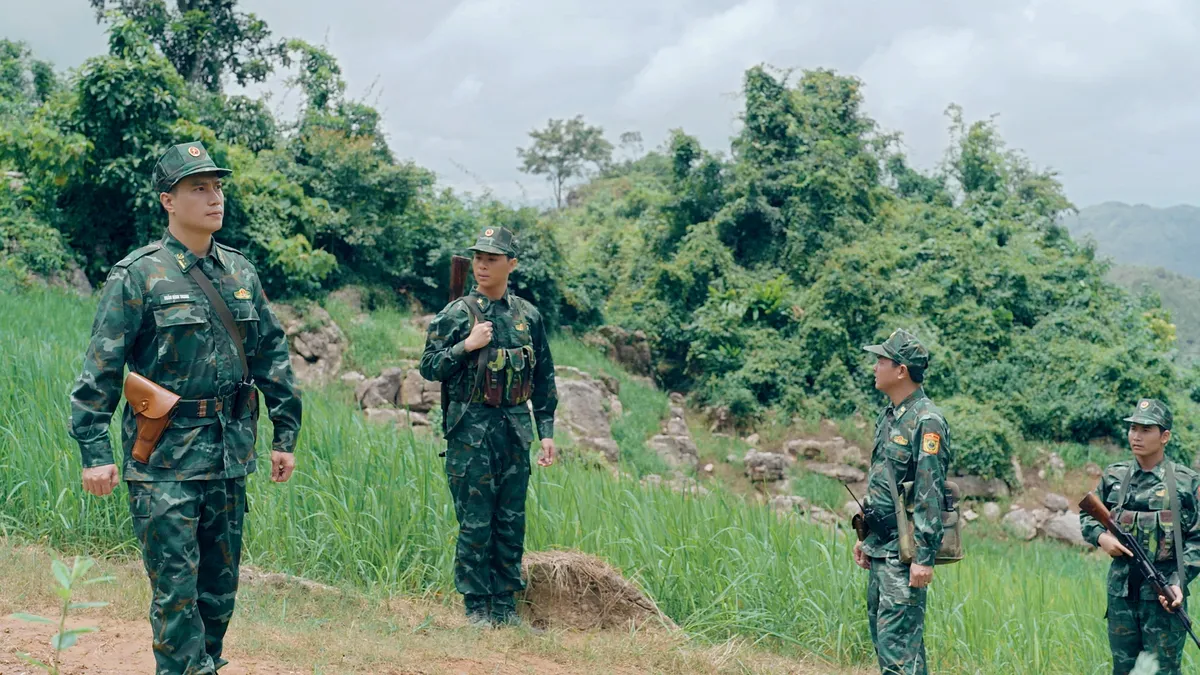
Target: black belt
<point>210,407</point>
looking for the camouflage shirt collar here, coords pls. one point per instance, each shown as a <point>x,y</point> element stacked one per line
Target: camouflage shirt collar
<point>485,302</point>
<point>906,404</point>
<point>186,258</point>
<point>1158,470</point>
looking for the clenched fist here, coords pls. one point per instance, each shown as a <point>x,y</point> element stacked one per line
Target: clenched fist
<point>100,480</point>
<point>480,337</point>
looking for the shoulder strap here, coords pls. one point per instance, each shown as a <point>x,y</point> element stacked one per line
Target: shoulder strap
<point>1123,488</point>
<point>218,304</point>
<point>139,253</point>
<point>1176,523</point>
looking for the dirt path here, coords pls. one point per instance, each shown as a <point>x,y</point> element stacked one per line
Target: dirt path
<point>293,629</point>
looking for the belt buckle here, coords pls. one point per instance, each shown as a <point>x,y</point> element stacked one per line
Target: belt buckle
<point>220,404</point>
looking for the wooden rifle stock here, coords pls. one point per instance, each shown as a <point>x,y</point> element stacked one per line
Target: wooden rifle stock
<point>459,267</point>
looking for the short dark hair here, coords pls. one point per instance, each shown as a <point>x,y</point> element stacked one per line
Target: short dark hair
<point>915,373</point>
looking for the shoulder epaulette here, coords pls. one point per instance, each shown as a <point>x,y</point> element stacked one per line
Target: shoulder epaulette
<point>139,253</point>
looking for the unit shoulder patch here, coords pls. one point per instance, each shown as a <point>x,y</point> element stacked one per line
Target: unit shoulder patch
<point>931,443</point>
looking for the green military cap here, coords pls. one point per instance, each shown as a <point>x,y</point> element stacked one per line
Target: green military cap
<point>181,161</point>
<point>1151,412</point>
<point>902,347</point>
<point>497,240</point>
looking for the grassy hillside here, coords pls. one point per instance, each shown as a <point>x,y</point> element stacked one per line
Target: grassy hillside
<point>1180,294</point>
<point>368,509</point>
<point>1143,235</point>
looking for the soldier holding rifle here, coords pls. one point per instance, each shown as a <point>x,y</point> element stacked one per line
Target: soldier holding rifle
<point>1144,514</point>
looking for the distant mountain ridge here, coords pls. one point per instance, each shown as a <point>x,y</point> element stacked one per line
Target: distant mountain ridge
<point>1138,234</point>
<point>1156,248</point>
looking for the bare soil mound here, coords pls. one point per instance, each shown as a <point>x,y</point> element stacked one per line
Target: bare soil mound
<point>568,589</point>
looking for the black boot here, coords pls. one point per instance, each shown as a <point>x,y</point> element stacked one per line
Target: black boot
<point>504,610</point>
<point>478,610</point>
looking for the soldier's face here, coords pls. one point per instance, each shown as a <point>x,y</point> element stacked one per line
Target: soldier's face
<point>888,373</point>
<point>197,203</point>
<point>491,270</point>
<point>1147,440</point>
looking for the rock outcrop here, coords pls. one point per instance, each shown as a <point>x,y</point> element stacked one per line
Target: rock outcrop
<point>587,406</point>
<point>631,350</point>
<point>316,343</point>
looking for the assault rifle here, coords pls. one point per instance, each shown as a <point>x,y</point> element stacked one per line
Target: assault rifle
<point>1095,508</point>
<point>459,267</point>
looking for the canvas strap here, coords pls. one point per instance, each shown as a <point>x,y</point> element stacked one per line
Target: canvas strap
<point>1176,523</point>
<point>222,310</point>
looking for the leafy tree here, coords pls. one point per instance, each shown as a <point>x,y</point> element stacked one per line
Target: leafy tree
<point>562,150</point>
<point>203,39</point>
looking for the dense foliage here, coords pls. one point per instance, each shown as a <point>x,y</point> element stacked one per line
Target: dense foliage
<point>316,203</point>
<point>758,273</point>
<point>759,276</point>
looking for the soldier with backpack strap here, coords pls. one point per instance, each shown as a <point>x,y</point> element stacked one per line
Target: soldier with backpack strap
<point>911,520</point>
<point>1153,501</point>
<point>189,318</point>
<point>489,348</point>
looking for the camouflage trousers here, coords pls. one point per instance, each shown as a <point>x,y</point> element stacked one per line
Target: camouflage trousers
<point>191,538</point>
<point>896,613</point>
<point>1136,625</point>
<point>488,483</point>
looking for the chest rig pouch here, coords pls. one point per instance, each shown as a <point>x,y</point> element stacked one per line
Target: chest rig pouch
<point>951,549</point>
<point>1157,530</point>
<point>504,375</point>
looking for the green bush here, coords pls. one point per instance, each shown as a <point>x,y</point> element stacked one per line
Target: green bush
<point>982,441</point>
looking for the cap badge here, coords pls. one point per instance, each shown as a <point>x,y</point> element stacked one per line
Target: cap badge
<point>242,294</point>
<point>1144,404</point>
<point>194,151</point>
<point>488,232</point>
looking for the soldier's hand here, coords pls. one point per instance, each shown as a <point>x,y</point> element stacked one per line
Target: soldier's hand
<point>100,480</point>
<point>549,452</point>
<point>1177,594</point>
<point>282,465</point>
<point>919,576</point>
<point>860,558</point>
<point>480,337</point>
<point>1113,547</point>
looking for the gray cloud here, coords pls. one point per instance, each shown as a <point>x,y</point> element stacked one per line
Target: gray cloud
<point>1096,89</point>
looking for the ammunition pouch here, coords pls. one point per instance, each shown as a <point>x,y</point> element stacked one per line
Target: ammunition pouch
<point>507,378</point>
<point>153,407</point>
<point>1152,529</point>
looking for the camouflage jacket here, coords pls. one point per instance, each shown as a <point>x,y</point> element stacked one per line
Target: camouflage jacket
<point>515,323</point>
<point>912,439</point>
<point>154,318</point>
<point>1147,515</point>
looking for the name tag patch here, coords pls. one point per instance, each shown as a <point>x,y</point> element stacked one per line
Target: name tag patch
<point>176,297</point>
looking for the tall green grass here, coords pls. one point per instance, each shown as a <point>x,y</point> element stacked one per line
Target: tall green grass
<point>368,507</point>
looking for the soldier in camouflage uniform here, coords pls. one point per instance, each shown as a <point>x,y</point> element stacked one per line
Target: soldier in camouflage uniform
<point>188,500</point>
<point>911,444</point>
<point>1155,499</point>
<point>490,348</point>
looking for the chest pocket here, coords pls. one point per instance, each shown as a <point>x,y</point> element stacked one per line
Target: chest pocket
<point>898,455</point>
<point>183,333</point>
<point>245,317</point>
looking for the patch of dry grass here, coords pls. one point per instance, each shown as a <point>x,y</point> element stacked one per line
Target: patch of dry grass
<point>290,627</point>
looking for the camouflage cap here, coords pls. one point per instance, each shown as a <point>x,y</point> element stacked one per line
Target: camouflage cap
<point>902,347</point>
<point>181,161</point>
<point>498,240</point>
<point>1151,412</point>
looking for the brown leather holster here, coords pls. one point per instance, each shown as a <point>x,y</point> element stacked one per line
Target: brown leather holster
<point>154,407</point>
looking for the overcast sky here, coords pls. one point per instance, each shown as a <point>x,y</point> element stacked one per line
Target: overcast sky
<point>1103,91</point>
